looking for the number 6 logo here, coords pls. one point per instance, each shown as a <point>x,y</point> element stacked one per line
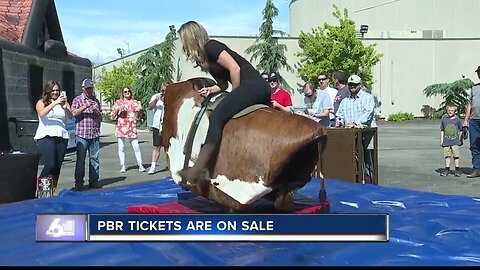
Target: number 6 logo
<point>55,229</point>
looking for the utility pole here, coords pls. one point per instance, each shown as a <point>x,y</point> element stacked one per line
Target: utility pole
<point>128,46</point>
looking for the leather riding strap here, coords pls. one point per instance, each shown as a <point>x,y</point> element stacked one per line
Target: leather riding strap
<point>194,127</point>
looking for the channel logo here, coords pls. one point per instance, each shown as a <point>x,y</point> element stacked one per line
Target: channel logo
<point>60,227</point>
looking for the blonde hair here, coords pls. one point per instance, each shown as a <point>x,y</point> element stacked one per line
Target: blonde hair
<point>194,37</point>
<point>453,107</point>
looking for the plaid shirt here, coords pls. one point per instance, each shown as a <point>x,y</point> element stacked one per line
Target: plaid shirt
<point>357,109</point>
<point>87,123</point>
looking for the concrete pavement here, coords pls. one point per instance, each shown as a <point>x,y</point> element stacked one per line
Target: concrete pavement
<point>110,175</point>
<point>410,157</point>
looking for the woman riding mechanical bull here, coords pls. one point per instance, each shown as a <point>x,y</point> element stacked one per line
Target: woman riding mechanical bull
<point>240,170</point>
<point>225,65</point>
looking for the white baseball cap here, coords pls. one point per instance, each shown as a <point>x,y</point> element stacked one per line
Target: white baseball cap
<point>354,79</point>
<point>87,83</point>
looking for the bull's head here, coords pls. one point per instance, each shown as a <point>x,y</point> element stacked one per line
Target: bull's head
<point>175,96</point>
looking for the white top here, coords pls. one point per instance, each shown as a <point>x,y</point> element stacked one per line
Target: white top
<point>52,124</point>
<point>332,92</point>
<point>157,112</point>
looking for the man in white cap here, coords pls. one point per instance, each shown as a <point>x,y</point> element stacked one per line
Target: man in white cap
<point>357,109</point>
<point>88,115</point>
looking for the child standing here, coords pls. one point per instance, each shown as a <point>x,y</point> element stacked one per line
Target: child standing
<point>451,139</point>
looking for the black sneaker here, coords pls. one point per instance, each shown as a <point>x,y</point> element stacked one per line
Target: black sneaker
<point>95,185</point>
<point>445,173</point>
<point>78,187</point>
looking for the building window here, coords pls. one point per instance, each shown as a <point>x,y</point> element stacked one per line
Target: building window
<point>68,84</point>
<point>35,84</point>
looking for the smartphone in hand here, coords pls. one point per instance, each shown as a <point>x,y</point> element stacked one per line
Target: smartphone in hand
<point>465,132</point>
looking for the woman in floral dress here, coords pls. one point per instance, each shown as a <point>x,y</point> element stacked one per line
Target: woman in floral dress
<point>126,112</point>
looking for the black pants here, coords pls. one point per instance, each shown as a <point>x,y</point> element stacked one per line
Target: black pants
<point>250,92</point>
<point>52,151</point>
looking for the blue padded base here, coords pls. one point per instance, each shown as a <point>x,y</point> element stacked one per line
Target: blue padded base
<point>426,229</point>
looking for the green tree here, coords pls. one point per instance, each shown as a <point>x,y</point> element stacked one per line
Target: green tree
<point>266,48</point>
<point>155,66</point>
<point>331,48</point>
<point>112,82</point>
<point>455,93</point>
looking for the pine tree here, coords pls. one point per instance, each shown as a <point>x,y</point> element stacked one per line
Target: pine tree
<point>266,48</point>
<point>155,66</point>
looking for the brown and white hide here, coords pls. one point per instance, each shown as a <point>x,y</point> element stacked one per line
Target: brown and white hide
<point>263,152</point>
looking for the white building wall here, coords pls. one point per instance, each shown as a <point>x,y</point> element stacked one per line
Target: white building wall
<point>457,19</point>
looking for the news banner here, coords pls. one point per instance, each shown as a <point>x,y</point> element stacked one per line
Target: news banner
<point>212,227</point>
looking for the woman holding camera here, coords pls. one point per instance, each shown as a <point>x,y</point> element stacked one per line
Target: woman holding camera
<point>52,135</point>
<point>126,112</point>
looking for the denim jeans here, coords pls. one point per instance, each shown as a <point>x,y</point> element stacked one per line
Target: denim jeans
<point>52,151</point>
<point>474,130</point>
<point>93,148</point>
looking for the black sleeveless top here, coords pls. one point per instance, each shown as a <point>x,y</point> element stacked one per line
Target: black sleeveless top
<point>213,48</point>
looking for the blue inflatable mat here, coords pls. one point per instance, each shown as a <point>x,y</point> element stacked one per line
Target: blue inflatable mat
<point>426,229</point>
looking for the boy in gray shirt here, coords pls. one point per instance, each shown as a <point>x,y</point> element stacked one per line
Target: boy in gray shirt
<point>451,139</point>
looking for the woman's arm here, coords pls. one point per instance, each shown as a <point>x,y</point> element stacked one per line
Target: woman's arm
<point>114,115</point>
<point>43,110</point>
<point>226,60</point>
<point>220,86</point>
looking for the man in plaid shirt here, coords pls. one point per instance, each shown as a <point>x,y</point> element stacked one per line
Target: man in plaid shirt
<point>88,115</point>
<point>358,107</point>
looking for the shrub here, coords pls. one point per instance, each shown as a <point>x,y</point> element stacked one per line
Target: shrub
<point>401,116</point>
<point>430,112</point>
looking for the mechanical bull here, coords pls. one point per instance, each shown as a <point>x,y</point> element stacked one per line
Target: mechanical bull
<point>263,154</point>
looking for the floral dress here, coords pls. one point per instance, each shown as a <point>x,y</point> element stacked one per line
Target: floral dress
<point>129,110</point>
